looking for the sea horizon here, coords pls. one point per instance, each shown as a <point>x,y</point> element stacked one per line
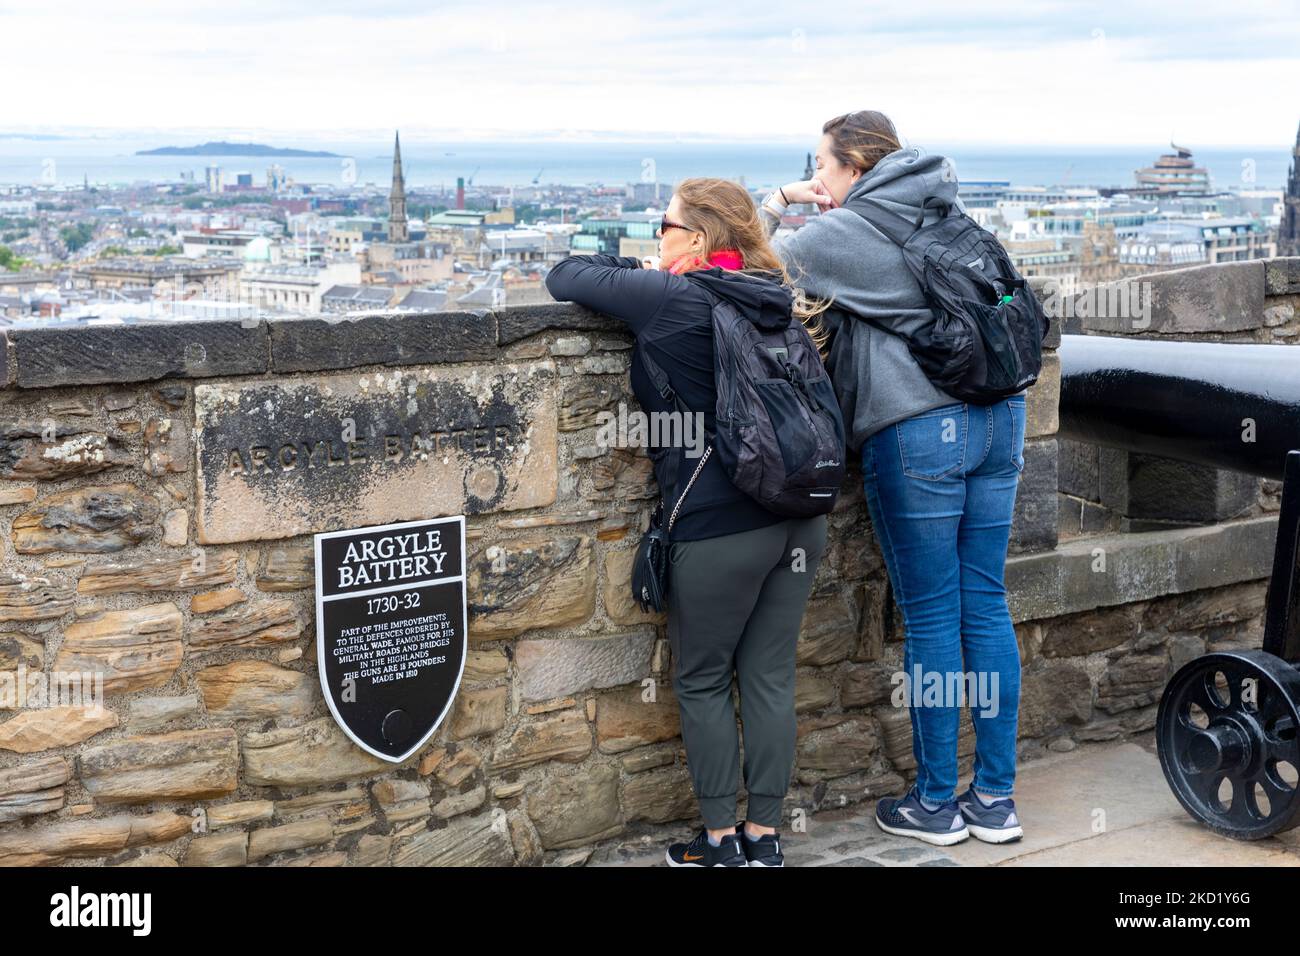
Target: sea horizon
<point>69,160</point>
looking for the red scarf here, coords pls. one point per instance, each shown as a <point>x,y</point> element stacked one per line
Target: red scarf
<point>725,258</point>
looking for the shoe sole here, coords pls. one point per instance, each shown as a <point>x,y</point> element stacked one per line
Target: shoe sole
<point>987,835</point>
<point>767,866</point>
<point>935,839</point>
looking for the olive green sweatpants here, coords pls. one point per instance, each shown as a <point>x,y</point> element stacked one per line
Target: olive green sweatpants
<point>735,603</point>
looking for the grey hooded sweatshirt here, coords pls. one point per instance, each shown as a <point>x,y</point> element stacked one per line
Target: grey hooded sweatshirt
<point>839,255</point>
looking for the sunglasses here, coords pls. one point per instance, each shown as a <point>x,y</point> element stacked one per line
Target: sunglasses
<point>665,224</point>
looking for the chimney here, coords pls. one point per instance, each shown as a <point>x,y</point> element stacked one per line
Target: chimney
<point>460,192</point>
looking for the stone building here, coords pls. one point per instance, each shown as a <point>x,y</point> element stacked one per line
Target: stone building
<point>1179,243</point>
<point>208,278</point>
<point>295,289</point>
<point>1172,174</point>
<point>419,262</point>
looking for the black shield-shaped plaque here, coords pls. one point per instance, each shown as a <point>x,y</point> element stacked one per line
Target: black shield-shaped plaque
<point>391,630</point>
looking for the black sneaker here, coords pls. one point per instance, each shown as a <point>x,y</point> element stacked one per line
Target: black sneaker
<point>765,851</point>
<point>700,852</point>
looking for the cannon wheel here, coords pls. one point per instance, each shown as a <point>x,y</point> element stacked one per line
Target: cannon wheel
<point>1232,717</point>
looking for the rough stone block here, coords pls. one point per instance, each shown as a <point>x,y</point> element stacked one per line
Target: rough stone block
<point>565,736</point>
<point>46,728</point>
<point>660,796</point>
<point>1077,469</point>
<point>1227,297</point>
<point>1035,523</point>
<point>576,810</point>
<point>33,789</point>
<point>626,719</point>
<point>249,690</point>
<point>1282,275</point>
<point>317,344</point>
<point>519,323</point>
<point>1150,488</point>
<point>471,841</point>
<point>1047,291</point>
<point>185,765</point>
<point>555,667</point>
<point>530,583</point>
<point>1043,399</point>
<point>1114,569</point>
<point>134,648</point>
<point>90,354</point>
<point>33,846</point>
<point>316,753</point>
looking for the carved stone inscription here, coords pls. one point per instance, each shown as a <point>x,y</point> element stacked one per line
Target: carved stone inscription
<point>282,458</point>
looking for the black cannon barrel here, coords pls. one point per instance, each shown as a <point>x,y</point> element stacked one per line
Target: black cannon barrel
<point>1234,406</point>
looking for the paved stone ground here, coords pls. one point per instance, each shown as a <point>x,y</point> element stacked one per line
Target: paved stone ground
<point>1099,805</point>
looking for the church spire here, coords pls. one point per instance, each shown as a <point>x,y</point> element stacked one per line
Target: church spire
<point>1288,241</point>
<point>397,229</point>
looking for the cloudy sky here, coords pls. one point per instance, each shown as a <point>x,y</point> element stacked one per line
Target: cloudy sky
<point>1211,73</point>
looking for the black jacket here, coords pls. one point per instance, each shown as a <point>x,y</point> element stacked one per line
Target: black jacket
<point>671,317</point>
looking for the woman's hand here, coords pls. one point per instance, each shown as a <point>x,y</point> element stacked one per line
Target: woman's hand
<point>810,191</point>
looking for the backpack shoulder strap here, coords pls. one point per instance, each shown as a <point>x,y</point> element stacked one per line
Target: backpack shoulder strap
<point>661,383</point>
<point>900,230</point>
<point>900,226</point>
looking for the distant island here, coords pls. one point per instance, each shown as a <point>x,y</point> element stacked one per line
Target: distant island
<point>235,149</point>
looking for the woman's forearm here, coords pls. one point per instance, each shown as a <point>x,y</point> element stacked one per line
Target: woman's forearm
<point>613,285</point>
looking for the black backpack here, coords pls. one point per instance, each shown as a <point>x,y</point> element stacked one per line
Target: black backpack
<point>986,341</point>
<point>778,431</point>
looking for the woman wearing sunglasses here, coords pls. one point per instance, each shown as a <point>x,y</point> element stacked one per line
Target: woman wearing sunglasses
<point>739,575</point>
<point>940,475</point>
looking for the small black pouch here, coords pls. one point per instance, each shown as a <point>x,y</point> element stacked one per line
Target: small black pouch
<point>650,569</point>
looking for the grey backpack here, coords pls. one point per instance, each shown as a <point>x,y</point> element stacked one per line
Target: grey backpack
<point>778,431</point>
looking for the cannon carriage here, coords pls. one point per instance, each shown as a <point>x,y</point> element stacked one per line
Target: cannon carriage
<point>1226,726</point>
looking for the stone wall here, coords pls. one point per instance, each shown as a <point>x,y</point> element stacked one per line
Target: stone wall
<point>159,486</point>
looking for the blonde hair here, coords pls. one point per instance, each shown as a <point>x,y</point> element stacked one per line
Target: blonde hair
<point>724,212</point>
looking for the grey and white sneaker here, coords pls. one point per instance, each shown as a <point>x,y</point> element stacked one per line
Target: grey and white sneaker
<point>906,816</point>
<point>992,824</point>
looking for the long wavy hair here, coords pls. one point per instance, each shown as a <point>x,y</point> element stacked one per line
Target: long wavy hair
<point>724,212</point>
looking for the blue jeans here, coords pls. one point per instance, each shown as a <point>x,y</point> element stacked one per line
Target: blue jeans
<point>941,487</point>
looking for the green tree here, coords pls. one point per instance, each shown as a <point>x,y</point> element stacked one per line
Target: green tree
<point>74,237</point>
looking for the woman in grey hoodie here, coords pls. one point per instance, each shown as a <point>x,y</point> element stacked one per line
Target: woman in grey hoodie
<point>940,475</point>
